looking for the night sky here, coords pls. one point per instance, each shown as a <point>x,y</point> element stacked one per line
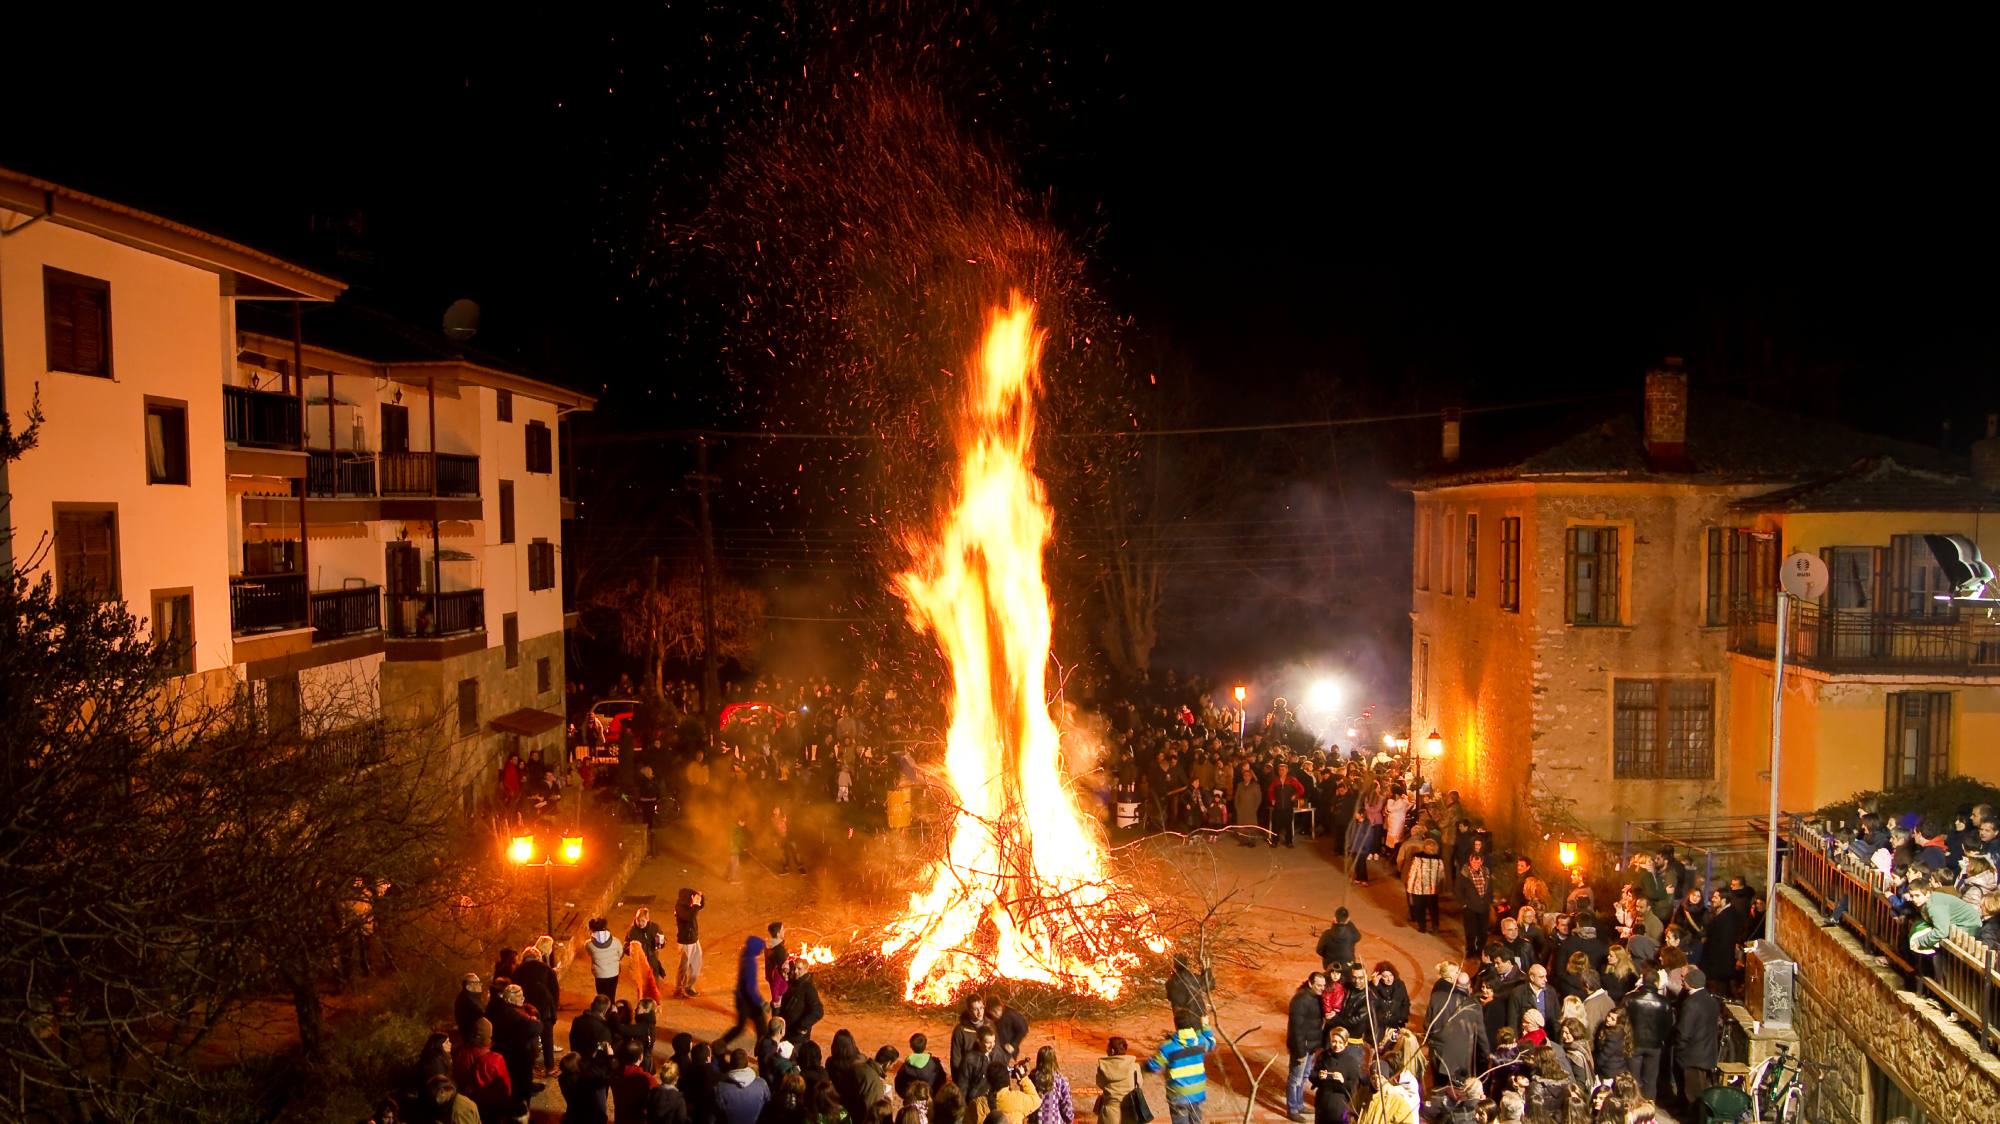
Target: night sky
<point>1286,218</point>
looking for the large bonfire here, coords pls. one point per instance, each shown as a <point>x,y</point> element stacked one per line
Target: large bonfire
<point>1022,889</point>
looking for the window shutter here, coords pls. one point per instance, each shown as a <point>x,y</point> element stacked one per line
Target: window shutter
<point>1937,765</point>
<point>1607,577</point>
<point>1569,576</point>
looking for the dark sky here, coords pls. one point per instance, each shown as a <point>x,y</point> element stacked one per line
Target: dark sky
<point>1311,217</point>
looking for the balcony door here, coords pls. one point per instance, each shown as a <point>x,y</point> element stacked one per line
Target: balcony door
<point>1853,604</point>
<point>395,428</point>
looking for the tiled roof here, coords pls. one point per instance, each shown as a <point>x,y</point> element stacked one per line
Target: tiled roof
<point>1879,484</point>
<point>1729,440</point>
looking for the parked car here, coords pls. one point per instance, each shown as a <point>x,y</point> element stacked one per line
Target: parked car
<point>609,718</point>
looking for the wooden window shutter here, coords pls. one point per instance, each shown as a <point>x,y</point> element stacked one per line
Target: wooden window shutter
<point>1569,576</point>
<point>1607,577</point>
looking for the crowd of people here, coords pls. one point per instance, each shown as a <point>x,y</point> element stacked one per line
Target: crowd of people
<point>1936,873</point>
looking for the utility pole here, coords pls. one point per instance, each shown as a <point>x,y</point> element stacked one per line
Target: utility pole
<point>711,688</point>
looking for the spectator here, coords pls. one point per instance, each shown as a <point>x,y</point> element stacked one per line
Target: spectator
<point>1613,1055</point>
<point>790,1103</point>
<point>1719,953</point>
<point>1475,895</point>
<point>1184,1060</point>
<point>1389,997</point>
<point>1010,1027</point>
<point>518,1038</point>
<point>1117,1077</point>
<point>590,1029</point>
<point>1989,921</point>
<point>539,982</point>
<point>1284,796</point>
<point>687,938</point>
<point>698,1083</point>
<point>1421,883</point>
<point>968,1062</point>
<point>1187,990</point>
<point>740,1095</point>
<point>1536,996</point>
<point>470,1005</point>
<point>1697,1039</point>
<point>435,1060</point>
<point>1054,1104</point>
<point>631,1082</point>
<point>1337,1078</point>
<point>801,1008</point>
<point>605,952</point>
<point>919,1068</point>
<point>482,1075</point>
<point>751,1012</point>
<point>1652,1023</point>
<point>1456,1031</point>
<point>1943,915</point>
<point>447,1104</point>
<point>1336,944</point>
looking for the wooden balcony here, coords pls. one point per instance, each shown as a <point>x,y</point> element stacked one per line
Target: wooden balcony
<point>423,616</point>
<point>429,474</point>
<point>267,603</point>
<point>340,613</point>
<point>259,419</point>
<point>1856,641</point>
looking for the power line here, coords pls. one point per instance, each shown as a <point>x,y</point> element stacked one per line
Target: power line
<point>1176,431</point>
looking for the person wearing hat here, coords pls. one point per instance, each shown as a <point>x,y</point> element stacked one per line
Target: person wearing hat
<point>1697,1037</point>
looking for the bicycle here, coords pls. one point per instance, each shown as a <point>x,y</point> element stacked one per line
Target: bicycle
<point>1779,1084</point>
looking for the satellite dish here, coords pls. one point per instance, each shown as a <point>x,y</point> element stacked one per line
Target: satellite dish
<point>461,320</point>
<point>1804,576</point>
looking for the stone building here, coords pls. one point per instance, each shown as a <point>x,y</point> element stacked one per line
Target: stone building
<point>1573,587</point>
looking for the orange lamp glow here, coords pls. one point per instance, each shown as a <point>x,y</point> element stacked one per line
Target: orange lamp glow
<point>521,850</point>
<point>1434,745</point>
<point>1242,693</point>
<point>572,850</point>
<point>1566,851</point>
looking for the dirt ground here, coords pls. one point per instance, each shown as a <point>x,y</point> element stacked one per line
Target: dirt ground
<point>1282,899</point>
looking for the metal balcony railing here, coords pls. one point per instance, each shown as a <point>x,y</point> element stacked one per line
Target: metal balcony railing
<point>340,613</point>
<point>1853,640</point>
<point>329,475</point>
<point>267,602</point>
<point>260,419</point>
<point>422,615</point>
<point>1963,975</point>
<point>429,474</point>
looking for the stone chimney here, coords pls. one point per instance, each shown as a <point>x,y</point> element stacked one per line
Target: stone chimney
<point>1453,419</point>
<point>1667,416</point>
<point>1986,456</point>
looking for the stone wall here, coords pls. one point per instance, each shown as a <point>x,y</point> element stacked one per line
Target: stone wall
<point>427,690</point>
<point>1850,1011</point>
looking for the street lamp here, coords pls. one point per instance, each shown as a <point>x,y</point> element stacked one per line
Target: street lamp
<point>1242,693</point>
<point>521,851</point>
<point>1566,851</point>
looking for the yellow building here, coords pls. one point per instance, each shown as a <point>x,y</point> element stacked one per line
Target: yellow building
<point>1582,611</point>
<point>1885,684</point>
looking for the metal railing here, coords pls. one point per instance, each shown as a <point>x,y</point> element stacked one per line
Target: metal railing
<point>354,747</point>
<point>437,614</point>
<point>267,602</point>
<point>1841,640</point>
<point>1963,975</point>
<point>260,418</point>
<point>339,474</point>
<point>339,613</point>
<point>429,474</point>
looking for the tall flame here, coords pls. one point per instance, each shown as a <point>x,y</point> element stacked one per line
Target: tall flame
<point>1022,858</point>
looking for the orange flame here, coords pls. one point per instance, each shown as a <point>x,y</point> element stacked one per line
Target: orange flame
<point>813,953</point>
<point>1023,859</point>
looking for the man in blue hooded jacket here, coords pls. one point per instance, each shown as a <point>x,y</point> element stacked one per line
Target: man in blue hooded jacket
<point>751,1010</point>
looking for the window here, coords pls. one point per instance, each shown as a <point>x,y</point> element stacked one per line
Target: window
<point>281,705</point>
<point>1741,575</point>
<point>1919,749</point>
<point>503,405</point>
<point>541,565</point>
<point>166,442</point>
<point>468,706</point>
<point>1423,677</point>
<point>506,511</point>
<point>541,451</point>
<point>1446,560</point>
<point>1593,576</point>
<point>1916,580</point>
<point>87,553</point>
<point>173,628</point>
<point>544,681</point>
<point>1510,563</point>
<point>1851,572</point>
<point>510,637</point>
<point>1424,517</point>
<point>78,314</point>
<point>1471,554</point>
<point>1663,729</point>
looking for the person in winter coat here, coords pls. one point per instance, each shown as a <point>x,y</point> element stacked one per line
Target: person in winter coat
<point>481,1074</point>
<point>537,978</point>
<point>1718,950</point>
<point>470,1006</point>
<point>687,939</point>
<point>1613,1055</point>
<point>650,938</point>
<point>1302,1037</point>
<point>698,1082</point>
<point>1187,989</point>
<point>801,1007</point>
<point>1336,944</point>
<point>920,1066</point>
<point>1652,1023</point>
<point>776,955</point>
<point>740,1095</point>
<point>1456,1031</point>
<point>1054,1104</point>
<point>664,1102</point>
<point>1010,1027</point>
<point>968,1063</point>
<point>1475,895</point>
<point>605,952</point>
<point>590,1029</point>
<point>1390,997</point>
<point>1697,1037</point>
<point>751,1012</point>
<point>518,1037</point>
<point>447,1105</point>
<point>1337,1078</point>
<point>1989,921</point>
<point>630,1083</point>
<point>1117,1076</point>
<point>1946,914</point>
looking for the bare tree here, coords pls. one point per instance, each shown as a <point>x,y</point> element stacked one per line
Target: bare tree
<point>659,619</point>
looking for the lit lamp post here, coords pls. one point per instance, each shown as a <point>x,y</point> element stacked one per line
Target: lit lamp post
<point>522,852</point>
<point>1241,694</point>
<point>1566,852</point>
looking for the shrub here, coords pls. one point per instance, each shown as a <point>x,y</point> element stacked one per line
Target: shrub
<point>1935,802</point>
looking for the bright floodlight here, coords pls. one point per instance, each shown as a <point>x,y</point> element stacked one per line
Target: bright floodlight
<point>522,849</point>
<point>1323,695</point>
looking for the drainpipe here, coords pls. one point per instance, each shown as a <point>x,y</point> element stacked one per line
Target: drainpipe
<point>437,570</point>
<point>299,370</point>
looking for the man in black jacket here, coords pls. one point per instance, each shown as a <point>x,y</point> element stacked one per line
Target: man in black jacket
<point>1455,1027</point>
<point>1586,941</point>
<point>1188,990</point>
<point>589,1029</point>
<point>1302,1037</point>
<point>1475,894</point>
<point>687,935</point>
<point>469,1007</point>
<point>801,1006</point>
<point>538,983</point>
<point>1718,946</point>
<point>1697,1037</point>
<point>1010,1027</point>
<point>1652,1023</point>
<point>1336,944</point>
